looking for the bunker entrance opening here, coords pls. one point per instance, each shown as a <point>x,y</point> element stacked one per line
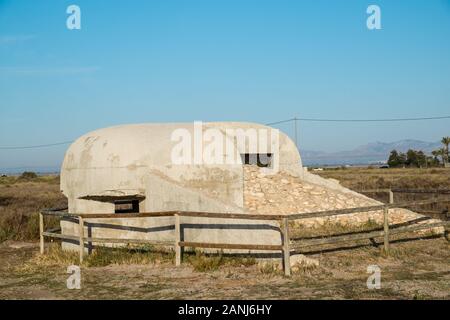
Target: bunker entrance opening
<point>126,206</point>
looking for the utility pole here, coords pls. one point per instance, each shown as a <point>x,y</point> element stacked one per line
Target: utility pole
<point>295,132</point>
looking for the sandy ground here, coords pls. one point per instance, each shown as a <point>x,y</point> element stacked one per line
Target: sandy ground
<point>415,270</point>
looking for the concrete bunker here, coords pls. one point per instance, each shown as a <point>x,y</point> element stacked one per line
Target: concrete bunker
<point>131,169</point>
<point>138,168</point>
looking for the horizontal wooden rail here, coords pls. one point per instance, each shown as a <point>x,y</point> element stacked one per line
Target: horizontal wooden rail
<point>246,216</point>
<point>55,209</point>
<point>420,226</point>
<point>442,212</point>
<point>127,215</point>
<point>328,213</point>
<point>59,214</point>
<point>435,191</point>
<point>400,190</point>
<point>373,190</point>
<point>242,216</point>
<point>108,240</point>
<point>138,241</point>
<point>59,236</point>
<point>337,239</point>
<point>364,236</point>
<point>230,246</point>
<point>416,203</point>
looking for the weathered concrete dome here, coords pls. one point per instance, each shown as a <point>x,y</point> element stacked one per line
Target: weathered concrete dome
<point>124,162</point>
<point>131,168</point>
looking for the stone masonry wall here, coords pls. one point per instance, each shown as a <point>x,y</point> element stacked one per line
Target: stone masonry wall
<point>284,194</point>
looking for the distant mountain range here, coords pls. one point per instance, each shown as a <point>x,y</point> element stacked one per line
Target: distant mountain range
<point>371,153</point>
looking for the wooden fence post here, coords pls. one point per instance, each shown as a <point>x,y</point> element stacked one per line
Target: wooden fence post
<point>177,240</point>
<point>391,196</point>
<point>41,231</point>
<point>81,235</point>
<point>386,228</point>
<point>286,249</point>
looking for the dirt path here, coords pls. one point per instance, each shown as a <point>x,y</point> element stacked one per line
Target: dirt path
<point>416,270</point>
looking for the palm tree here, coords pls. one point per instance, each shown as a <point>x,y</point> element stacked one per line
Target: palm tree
<point>446,141</point>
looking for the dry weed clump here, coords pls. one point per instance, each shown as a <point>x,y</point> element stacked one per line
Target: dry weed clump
<point>204,262</point>
<point>103,256</point>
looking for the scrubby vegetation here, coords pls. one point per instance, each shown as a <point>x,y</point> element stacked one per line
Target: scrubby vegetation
<point>412,270</point>
<point>418,158</point>
<point>374,178</point>
<point>360,179</point>
<point>27,175</point>
<point>21,198</point>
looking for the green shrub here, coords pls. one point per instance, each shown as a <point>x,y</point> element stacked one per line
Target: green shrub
<point>28,175</point>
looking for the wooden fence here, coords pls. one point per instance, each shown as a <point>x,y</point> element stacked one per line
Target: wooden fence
<point>429,212</point>
<point>391,191</point>
<point>283,221</point>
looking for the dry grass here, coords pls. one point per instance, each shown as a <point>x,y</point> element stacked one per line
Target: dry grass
<point>413,270</point>
<point>101,257</point>
<point>365,178</point>
<point>53,257</point>
<point>21,199</point>
<point>20,202</point>
<point>271,268</point>
<point>359,179</point>
<point>204,262</point>
<point>131,255</point>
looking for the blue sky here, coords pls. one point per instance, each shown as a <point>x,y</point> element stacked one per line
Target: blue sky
<point>248,60</point>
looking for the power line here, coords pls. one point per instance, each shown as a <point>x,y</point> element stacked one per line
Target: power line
<point>359,120</point>
<point>268,124</point>
<point>376,120</point>
<point>36,146</point>
<point>282,121</point>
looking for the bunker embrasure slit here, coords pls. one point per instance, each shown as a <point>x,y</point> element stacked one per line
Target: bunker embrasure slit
<point>126,206</point>
<point>262,160</point>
